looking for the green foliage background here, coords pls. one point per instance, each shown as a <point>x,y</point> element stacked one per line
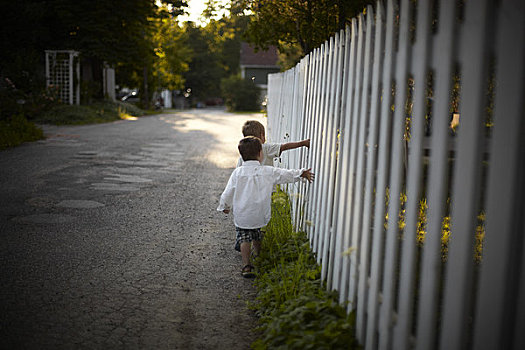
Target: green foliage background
<point>240,94</point>
<point>16,130</point>
<point>296,27</point>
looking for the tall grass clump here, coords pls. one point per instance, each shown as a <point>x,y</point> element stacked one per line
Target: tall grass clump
<point>295,311</point>
<point>97,112</point>
<point>17,130</point>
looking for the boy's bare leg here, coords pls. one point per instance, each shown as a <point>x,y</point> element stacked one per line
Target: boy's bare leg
<point>245,253</point>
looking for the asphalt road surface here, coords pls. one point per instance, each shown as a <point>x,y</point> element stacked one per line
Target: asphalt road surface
<point>110,238</point>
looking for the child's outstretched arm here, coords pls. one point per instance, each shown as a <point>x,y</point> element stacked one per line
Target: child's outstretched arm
<point>292,145</point>
<point>308,175</point>
<point>226,200</point>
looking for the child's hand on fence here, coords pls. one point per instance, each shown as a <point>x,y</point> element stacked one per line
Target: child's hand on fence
<point>308,175</point>
<point>306,143</point>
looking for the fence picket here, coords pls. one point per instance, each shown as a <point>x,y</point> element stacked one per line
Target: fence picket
<point>374,298</point>
<point>325,149</point>
<point>343,156</point>
<point>310,81</point>
<point>498,291</point>
<point>325,96</point>
<point>366,257</point>
<point>346,288</point>
<point>302,134</point>
<point>357,268</point>
<point>437,192</point>
<point>459,277</point>
<point>333,126</point>
<point>396,180</point>
<point>340,114</point>
<point>314,125</point>
<point>316,144</point>
<point>421,68</point>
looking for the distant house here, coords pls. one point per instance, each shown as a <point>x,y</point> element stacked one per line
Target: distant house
<point>257,65</point>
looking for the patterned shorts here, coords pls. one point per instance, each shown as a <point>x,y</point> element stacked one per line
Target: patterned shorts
<point>246,235</point>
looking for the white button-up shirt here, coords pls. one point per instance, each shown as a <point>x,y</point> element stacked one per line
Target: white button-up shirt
<point>249,192</point>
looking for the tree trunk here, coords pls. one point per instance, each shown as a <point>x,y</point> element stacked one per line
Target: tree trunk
<point>91,80</point>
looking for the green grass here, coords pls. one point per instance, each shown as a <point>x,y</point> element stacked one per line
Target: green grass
<point>98,112</point>
<point>17,130</point>
<point>295,311</point>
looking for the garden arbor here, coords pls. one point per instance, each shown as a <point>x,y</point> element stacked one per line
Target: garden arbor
<point>63,73</point>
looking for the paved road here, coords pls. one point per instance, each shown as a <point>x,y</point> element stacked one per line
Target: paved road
<point>109,237</point>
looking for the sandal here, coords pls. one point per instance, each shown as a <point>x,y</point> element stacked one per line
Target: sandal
<point>247,271</point>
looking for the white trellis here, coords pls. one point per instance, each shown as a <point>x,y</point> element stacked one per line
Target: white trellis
<point>63,73</point>
<point>350,96</point>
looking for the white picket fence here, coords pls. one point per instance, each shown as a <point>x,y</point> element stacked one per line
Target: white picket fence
<point>350,96</point>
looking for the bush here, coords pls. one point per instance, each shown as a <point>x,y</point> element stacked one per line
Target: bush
<point>31,102</point>
<point>98,112</point>
<point>17,130</point>
<point>240,94</point>
<point>295,310</point>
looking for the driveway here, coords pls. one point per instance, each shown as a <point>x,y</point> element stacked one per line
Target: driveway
<point>110,238</point>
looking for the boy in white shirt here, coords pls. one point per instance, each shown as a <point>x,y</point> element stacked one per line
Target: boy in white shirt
<point>270,150</point>
<point>249,195</point>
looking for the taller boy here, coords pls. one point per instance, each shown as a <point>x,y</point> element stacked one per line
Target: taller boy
<point>270,150</point>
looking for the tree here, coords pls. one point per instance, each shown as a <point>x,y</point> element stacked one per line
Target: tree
<point>215,51</point>
<point>117,32</point>
<point>164,60</point>
<point>172,55</point>
<point>240,94</point>
<point>204,74</point>
<point>303,24</point>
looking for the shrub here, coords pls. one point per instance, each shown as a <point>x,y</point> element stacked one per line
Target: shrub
<point>98,112</point>
<point>17,130</point>
<point>240,94</point>
<point>31,102</point>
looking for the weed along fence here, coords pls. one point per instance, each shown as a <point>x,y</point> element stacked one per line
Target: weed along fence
<point>418,225</point>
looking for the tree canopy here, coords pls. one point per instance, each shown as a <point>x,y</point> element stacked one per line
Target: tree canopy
<point>118,32</point>
<point>215,51</point>
<point>151,49</point>
<point>301,24</point>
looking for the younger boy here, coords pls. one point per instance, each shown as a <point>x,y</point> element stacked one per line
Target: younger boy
<point>270,150</point>
<point>249,195</point>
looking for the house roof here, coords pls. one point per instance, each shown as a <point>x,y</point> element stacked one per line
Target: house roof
<point>260,58</point>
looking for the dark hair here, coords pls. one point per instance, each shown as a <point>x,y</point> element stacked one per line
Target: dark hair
<point>253,128</point>
<point>249,148</point>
